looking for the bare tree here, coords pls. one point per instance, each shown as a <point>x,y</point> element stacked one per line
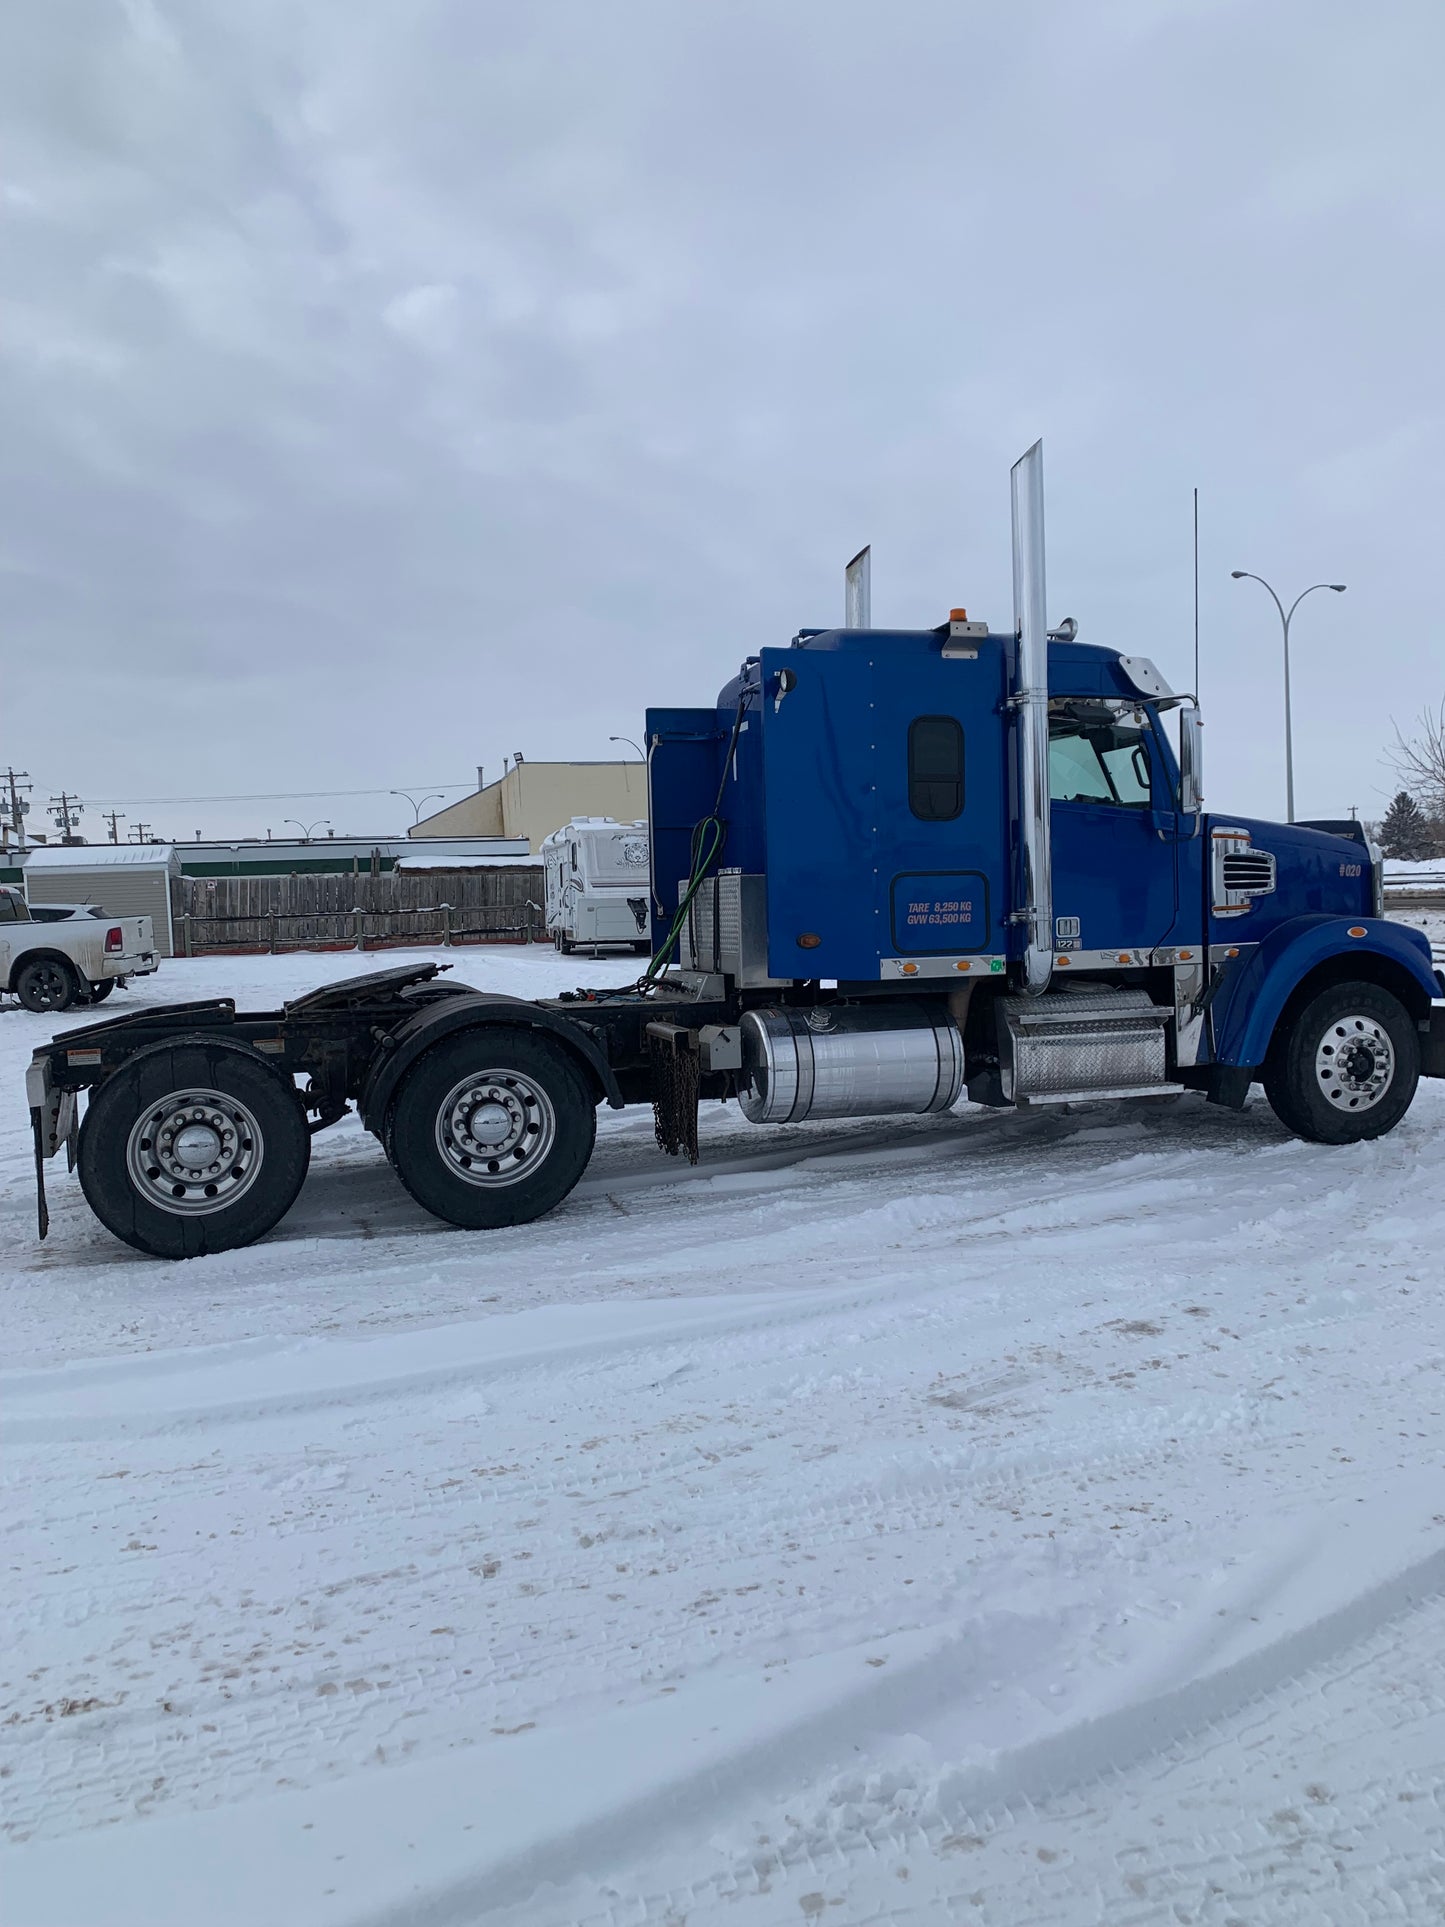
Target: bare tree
<point>1419,759</point>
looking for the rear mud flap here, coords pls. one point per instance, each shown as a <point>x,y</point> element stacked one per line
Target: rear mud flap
<point>1432,1043</point>
<point>37,1125</point>
<point>676,1078</point>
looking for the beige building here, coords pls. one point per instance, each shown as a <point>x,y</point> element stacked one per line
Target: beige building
<point>533,799</point>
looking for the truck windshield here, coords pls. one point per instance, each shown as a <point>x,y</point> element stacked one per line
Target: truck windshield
<point>1096,757</point>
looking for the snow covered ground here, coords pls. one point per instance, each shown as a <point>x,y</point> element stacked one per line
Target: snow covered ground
<point>1026,1519</point>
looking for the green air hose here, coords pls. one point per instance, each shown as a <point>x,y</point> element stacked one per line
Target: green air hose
<point>707,841</point>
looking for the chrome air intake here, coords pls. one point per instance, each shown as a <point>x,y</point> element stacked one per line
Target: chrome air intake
<point>849,1062</point>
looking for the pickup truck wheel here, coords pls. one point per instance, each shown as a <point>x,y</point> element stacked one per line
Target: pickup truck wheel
<point>47,983</point>
<point>191,1148</point>
<point>493,1127</point>
<point>99,992</point>
<point>1347,1066</point>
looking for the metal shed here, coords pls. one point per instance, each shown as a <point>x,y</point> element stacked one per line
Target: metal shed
<point>123,879</point>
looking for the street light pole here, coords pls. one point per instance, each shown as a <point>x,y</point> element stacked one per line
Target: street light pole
<point>307,828</point>
<point>416,807</point>
<point>630,744</point>
<point>1245,575</point>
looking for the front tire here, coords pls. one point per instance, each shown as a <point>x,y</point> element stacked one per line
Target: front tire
<point>492,1127</point>
<point>1347,1066</point>
<point>47,984</point>
<point>193,1148</point>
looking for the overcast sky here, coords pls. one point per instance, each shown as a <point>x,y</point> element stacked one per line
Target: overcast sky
<point>387,385</point>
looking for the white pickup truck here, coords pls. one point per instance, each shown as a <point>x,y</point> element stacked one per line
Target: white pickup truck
<point>78,960</point>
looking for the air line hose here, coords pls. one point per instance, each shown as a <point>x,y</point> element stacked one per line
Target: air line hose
<point>708,837</point>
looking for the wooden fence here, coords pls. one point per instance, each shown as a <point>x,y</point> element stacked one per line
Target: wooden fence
<point>359,912</point>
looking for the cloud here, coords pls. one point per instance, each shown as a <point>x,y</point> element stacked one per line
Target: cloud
<point>386,385</point>
<point>426,315</point>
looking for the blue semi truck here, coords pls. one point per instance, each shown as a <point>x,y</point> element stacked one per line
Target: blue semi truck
<point>888,867</point>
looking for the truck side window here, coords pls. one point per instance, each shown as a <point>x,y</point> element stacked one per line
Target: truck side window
<point>10,908</point>
<point>1096,756</point>
<point>935,768</point>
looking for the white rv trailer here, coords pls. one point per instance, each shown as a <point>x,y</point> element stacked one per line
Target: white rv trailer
<point>596,883</point>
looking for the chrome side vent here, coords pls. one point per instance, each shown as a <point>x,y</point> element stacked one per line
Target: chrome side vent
<point>1240,873</point>
<point>1250,873</point>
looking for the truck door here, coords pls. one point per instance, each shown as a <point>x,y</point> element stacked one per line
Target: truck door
<point>1114,839</point>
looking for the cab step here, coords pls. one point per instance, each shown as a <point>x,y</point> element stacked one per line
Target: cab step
<point>1084,1042</point>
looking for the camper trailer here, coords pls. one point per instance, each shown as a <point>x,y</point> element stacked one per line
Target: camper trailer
<point>596,871</point>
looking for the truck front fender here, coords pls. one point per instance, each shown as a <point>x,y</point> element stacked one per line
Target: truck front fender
<point>470,1011</point>
<point>1305,955</point>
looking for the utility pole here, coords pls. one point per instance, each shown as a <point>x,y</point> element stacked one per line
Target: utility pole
<point>67,811</point>
<point>19,810</point>
<point>113,817</point>
<point>140,832</point>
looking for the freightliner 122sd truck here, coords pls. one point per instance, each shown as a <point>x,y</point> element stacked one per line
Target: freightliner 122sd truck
<point>887,867</point>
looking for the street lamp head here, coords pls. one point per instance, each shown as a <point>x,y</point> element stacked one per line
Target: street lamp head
<point>1238,574</point>
<point>1338,587</point>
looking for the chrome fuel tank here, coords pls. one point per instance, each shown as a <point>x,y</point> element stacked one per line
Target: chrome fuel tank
<point>848,1062</point>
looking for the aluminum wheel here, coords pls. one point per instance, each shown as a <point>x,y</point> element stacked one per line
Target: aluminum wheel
<point>192,1152</point>
<point>495,1127</point>
<point>1355,1062</point>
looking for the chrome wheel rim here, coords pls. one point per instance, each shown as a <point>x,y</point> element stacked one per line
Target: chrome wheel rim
<point>1355,1063</point>
<point>495,1128</point>
<point>194,1152</point>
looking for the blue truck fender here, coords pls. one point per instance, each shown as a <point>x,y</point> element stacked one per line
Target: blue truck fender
<point>469,1012</point>
<point>1256,988</point>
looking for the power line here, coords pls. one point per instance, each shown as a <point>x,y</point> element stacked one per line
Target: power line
<point>274,796</point>
<point>67,811</point>
<point>19,808</point>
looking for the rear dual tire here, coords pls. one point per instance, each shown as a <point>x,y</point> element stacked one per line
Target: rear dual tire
<point>191,1149</point>
<point>492,1127</point>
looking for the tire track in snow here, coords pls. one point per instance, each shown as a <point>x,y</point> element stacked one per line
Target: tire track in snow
<point>1034,1808</point>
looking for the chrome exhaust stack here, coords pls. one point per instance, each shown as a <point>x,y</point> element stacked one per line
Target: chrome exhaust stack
<point>1031,708</point>
<point>858,591</point>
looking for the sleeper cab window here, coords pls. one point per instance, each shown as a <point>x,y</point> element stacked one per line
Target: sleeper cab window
<point>935,768</point>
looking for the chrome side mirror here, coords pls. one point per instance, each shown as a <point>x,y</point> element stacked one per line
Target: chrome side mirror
<point>1191,760</point>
